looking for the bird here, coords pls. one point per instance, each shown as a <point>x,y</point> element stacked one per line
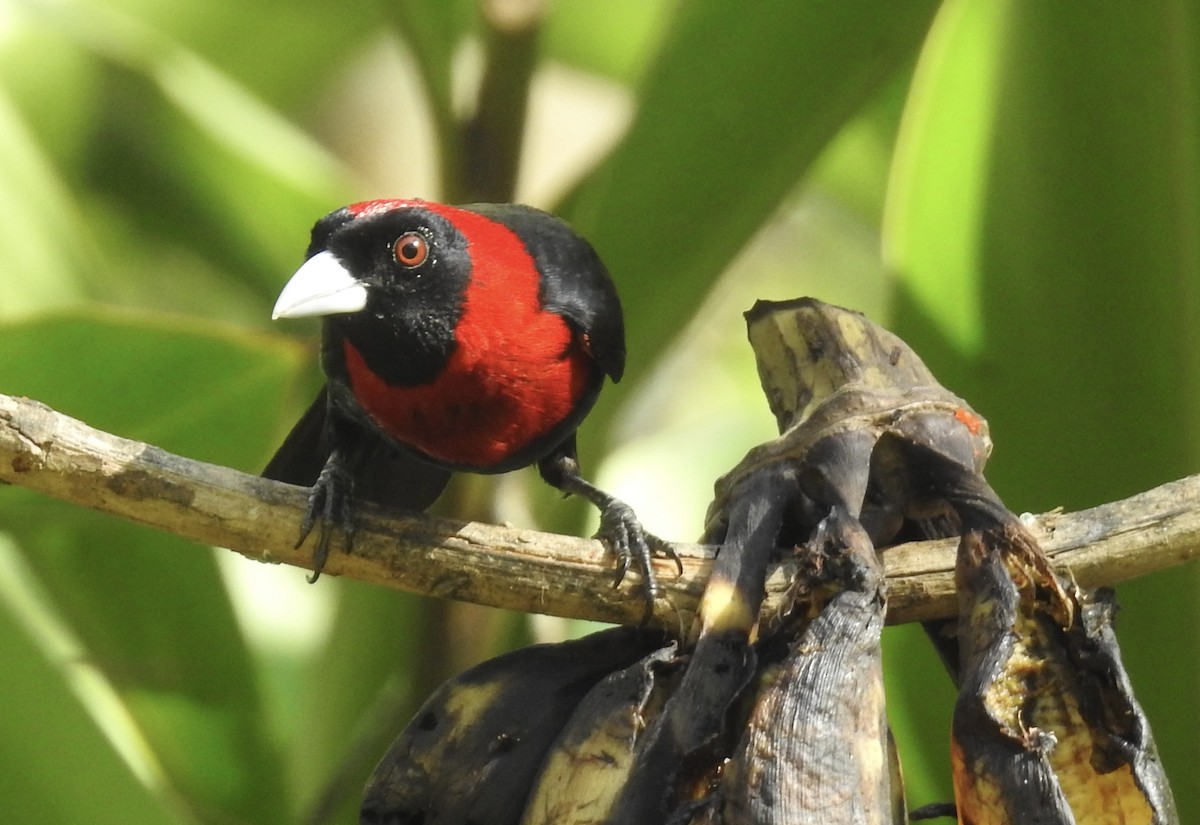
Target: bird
<point>469,338</point>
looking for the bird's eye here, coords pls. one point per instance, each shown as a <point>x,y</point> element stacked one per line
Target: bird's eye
<point>411,250</point>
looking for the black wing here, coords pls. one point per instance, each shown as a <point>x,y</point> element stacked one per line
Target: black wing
<point>386,476</point>
<point>302,455</point>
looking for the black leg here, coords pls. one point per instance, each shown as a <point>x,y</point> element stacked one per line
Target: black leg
<point>620,529</point>
<point>331,500</point>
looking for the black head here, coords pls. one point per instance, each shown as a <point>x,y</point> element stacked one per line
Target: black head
<point>390,277</point>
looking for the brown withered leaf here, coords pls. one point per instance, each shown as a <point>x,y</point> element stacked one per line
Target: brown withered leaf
<point>850,399</point>
<point>816,746</point>
<point>1046,728</point>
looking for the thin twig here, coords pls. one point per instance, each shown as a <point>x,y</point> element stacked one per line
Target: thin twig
<point>61,457</point>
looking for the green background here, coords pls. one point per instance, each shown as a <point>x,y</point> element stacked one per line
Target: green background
<point>1012,186</point>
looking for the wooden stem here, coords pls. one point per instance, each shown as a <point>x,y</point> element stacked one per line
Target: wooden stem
<point>61,457</point>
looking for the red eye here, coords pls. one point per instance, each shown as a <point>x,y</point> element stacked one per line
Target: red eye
<point>411,249</point>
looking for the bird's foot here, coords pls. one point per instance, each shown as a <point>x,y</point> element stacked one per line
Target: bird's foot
<point>620,530</point>
<point>624,535</point>
<point>329,502</point>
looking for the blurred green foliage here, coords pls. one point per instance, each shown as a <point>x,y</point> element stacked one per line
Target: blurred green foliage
<point>1014,186</point>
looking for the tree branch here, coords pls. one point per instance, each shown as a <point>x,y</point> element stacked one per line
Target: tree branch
<point>61,457</point>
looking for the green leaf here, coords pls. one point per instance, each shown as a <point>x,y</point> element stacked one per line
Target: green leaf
<point>434,31</point>
<point>189,387</point>
<point>59,766</point>
<point>616,38</point>
<point>154,617</point>
<point>277,50</point>
<point>730,116</point>
<point>152,610</point>
<point>358,681</point>
<point>38,241</point>
<point>920,702</point>
<point>175,180</point>
<point>190,164</point>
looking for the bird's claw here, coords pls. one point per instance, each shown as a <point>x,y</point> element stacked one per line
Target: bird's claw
<point>664,548</point>
<point>330,502</point>
<point>624,535</point>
